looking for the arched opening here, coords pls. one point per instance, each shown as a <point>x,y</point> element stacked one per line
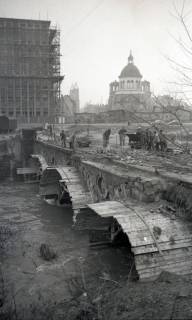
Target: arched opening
<point>103,191</point>
<point>131,84</point>
<point>53,186</point>
<point>120,239</point>
<point>99,183</point>
<point>106,231</point>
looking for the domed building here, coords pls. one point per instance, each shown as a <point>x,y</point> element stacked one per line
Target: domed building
<point>130,92</point>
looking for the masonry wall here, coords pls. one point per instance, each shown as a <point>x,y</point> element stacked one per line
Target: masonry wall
<point>105,185</point>
<point>51,152</point>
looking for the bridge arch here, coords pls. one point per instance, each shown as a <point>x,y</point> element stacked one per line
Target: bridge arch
<point>53,185</point>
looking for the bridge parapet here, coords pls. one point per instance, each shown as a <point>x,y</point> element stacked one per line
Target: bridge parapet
<point>109,180</point>
<point>53,154</point>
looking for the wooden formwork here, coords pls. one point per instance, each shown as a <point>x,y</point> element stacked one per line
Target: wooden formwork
<point>158,241</point>
<point>49,184</point>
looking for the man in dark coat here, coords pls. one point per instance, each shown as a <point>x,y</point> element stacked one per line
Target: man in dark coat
<point>63,138</point>
<point>106,136</point>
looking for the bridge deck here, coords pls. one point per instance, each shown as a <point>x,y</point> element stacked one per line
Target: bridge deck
<point>43,164</point>
<point>80,196</point>
<point>158,242</point>
<point>49,185</point>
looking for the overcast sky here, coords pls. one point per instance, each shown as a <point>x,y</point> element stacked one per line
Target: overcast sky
<point>97,35</point>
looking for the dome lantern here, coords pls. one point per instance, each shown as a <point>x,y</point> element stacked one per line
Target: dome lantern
<point>130,58</point>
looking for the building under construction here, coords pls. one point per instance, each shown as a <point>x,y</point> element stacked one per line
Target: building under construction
<point>29,69</point>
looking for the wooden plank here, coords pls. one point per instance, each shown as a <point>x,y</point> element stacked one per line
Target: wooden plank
<point>142,237</point>
<point>157,260</point>
<point>27,171</point>
<point>168,257</point>
<point>180,243</point>
<point>175,268</point>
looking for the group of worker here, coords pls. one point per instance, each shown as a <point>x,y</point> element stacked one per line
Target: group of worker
<point>71,140</point>
<point>152,139</point>
<point>149,139</point>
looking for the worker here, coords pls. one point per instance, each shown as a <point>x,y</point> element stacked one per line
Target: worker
<point>63,138</point>
<point>162,141</point>
<point>156,141</point>
<point>39,174</point>
<point>122,133</point>
<point>106,136</point>
<point>148,139</point>
<point>139,134</point>
<point>50,130</point>
<point>73,141</point>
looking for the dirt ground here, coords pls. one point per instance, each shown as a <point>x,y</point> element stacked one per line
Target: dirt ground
<point>169,297</point>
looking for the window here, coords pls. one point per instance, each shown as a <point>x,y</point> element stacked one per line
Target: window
<point>132,84</point>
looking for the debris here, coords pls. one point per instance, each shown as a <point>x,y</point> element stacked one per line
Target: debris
<point>43,267</point>
<point>157,232</point>
<point>5,233</point>
<point>172,240</point>
<point>170,208</point>
<point>46,252</point>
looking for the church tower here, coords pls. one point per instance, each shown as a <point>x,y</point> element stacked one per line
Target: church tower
<point>74,95</point>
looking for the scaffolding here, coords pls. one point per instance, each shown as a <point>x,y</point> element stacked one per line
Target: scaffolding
<point>29,69</point>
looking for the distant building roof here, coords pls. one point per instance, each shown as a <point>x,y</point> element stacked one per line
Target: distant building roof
<point>130,70</point>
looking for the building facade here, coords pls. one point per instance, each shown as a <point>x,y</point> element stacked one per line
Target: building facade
<point>130,92</point>
<point>29,69</point>
<point>95,108</point>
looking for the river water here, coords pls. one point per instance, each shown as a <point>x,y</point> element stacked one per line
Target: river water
<point>33,222</point>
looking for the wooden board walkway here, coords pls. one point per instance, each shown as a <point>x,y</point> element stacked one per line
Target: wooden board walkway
<point>79,194</point>
<point>41,161</point>
<point>158,242</point>
<point>49,185</point>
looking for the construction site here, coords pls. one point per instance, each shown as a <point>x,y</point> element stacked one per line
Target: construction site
<point>29,69</point>
<point>95,207</point>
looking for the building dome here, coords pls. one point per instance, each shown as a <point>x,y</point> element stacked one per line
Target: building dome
<point>130,70</point>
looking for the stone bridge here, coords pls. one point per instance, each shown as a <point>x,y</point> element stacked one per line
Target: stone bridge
<point>106,180</point>
<point>157,241</point>
<point>132,196</point>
